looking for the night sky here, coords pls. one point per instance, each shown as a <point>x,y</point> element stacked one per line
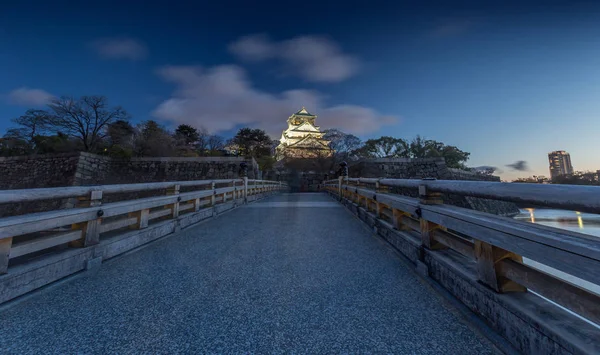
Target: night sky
<point>503,80</point>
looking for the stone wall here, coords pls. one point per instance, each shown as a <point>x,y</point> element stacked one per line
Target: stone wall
<point>399,168</point>
<point>81,169</point>
<point>38,171</point>
<point>94,169</point>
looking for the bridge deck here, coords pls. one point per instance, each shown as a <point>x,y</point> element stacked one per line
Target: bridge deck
<point>292,273</point>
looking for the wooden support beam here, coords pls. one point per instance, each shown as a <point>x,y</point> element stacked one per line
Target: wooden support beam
<point>175,206</point>
<point>142,218</point>
<point>214,195</point>
<point>488,271</point>
<point>90,230</point>
<point>379,208</point>
<point>427,235</point>
<point>427,227</point>
<point>398,219</point>
<point>5,245</point>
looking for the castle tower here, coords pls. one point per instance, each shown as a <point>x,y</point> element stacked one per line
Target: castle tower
<point>302,139</point>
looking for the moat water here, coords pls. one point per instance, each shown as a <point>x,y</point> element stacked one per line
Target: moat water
<point>585,223</point>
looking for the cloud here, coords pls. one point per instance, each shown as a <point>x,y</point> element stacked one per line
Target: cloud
<point>120,48</point>
<point>519,165</point>
<point>487,168</point>
<point>313,58</point>
<point>254,48</point>
<point>221,98</point>
<point>29,97</point>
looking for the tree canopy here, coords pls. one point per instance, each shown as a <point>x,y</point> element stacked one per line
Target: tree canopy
<point>419,147</point>
<point>89,123</point>
<point>344,145</point>
<point>252,142</point>
<point>186,135</point>
<point>384,147</point>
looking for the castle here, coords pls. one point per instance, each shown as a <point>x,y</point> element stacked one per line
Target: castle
<point>302,139</point>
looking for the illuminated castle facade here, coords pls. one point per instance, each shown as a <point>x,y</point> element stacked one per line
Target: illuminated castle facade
<point>302,139</point>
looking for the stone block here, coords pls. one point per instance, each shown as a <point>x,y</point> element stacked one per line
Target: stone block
<point>93,264</point>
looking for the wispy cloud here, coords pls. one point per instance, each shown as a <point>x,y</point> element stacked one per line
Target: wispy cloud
<point>120,48</point>
<point>519,165</point>
<point>313,58</point>
<point>222,97</point>
<point>29,97</point>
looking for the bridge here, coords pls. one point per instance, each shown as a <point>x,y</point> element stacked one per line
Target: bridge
<point>244,266</point>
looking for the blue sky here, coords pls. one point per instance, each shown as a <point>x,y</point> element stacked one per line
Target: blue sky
<point>505,81</point>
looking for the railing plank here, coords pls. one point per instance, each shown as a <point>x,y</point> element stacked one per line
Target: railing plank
<point>406,204</point>
<point>35,222</point>
<point>86,218</point>
<point>572,258</point>
<point>158,214</point>
<point>121,223</point>
<point>578,300</point>
<point>558,238</point>
<point>457,243</point>
<point>42,243</point>
<point>570,197</point>
<point>186,206</point>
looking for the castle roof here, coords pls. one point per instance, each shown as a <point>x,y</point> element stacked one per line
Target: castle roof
<point>303,112</point>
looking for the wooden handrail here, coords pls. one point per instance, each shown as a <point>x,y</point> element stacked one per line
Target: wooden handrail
<point>24,195</point>
<point>570,197</point>
<point>86,218</point>
<point>498,243</point>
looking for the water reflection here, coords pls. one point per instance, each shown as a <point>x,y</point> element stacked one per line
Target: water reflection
<point>576,221</point>
<point>581,222</point>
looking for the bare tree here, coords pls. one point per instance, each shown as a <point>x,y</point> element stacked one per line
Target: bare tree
<point>85,119</point>
<point>203,140</point>
<point>215,143</point>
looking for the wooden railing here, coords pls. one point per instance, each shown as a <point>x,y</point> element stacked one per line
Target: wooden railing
<point>496,244</point>
<point>86,223</point>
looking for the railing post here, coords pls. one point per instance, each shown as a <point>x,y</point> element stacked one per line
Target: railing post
<point>175,206</point>
<point>245,189</point>
<point>224,197</point>
<point>90,230</point>
<point>5,245</point>
<point>427,228</point>
<point>397,217</point>
<point>213,196</point>
<point>142,219</point>
<point>343,174</point>
<point>197,204</point>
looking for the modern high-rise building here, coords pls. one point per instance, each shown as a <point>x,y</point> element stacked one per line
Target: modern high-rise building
<point>560,163</point>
